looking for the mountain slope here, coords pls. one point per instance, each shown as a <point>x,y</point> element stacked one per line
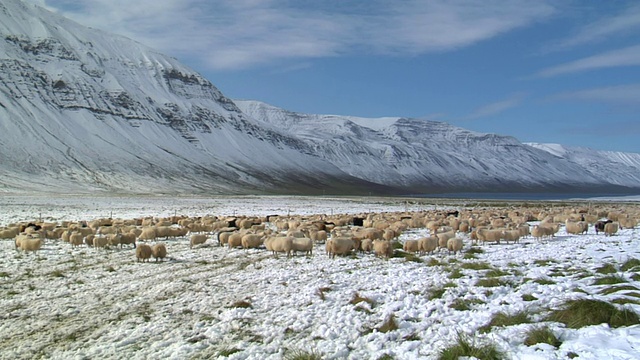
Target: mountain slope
<point>86,110</point>
<point>82,110</point>
<point>419,154</point>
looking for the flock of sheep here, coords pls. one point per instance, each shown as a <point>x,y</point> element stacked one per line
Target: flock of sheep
<point>341,234</point>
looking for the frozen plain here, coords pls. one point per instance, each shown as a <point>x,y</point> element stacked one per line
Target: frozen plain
<point>83,303</point>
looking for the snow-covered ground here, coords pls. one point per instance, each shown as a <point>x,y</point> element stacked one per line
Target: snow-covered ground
<point>85,303</point>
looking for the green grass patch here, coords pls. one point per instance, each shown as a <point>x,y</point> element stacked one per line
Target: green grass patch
<point>297,354</point>
<point>480,265</point>
<point>544,281</point>
<point>580,313</point>
<point>56,273</point>
<point>613,289</point>
<point>436,293</point>
<point>607,268</point>
<point>242,304</point>
<point>495,273</point>
<point>465,304</point>
<point>539,335</point>
<point>407,256</point>
<point>635,277</point>
<point>528,297</point>
<point>475,250</point>
<point>456,274</point>
<point>385,357</point>
<point>544,262</point>
<point>433,262</point>
<point>610,280</point>
<point>625,301</point>
<point>468,256</point>
<point>4,274</point>
<point>630,264</point>
<point>464,347</point>
<point>491,282</point>
<point>228,351</point>
<point>504,319</point>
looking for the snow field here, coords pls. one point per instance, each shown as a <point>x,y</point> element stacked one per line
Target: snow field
<point>77,303</point>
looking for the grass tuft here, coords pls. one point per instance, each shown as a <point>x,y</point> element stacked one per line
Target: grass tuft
<point>528,297</point>
<point>466,348</point>
<point>610,280</point>
<point>544,281</point>
<point>433,262</point>
<point>476,265</point>
<point>464,304</point>
<point>491,282</point>
<point>297,354</point>
<point>358,299</point>
<point>320,292</point>
<point>630,264</point>
<point>389,324</point>
<point>504,319</point>
<point>607,268</point>
<point>580,313</point>
<point>436,293</point>
<point>539,335</point>
<point>242,304</point>
<point>613,289</point>
<point>407,256</point>
<point>228,351</point>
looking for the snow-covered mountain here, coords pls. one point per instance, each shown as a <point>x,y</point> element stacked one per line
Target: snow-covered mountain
<point>83,110</point>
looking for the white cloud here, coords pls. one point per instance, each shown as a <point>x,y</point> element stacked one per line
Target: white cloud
<point>229,34</point>
<point>618,95</point>
<point>629,56</point>
<point>497,107</point>
<point>627,22</point>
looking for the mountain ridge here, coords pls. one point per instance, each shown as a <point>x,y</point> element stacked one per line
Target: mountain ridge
<point>86,111</point>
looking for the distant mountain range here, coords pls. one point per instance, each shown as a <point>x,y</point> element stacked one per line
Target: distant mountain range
<point>83,111</point>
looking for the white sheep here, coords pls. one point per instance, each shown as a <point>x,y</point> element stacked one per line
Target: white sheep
<point>159,251</point>
<point>76,238</point>
<point>197,239</point>
<point>143,252</point>
<point>411,246</point>
<point>27,242</point>
<point>382,248</point>
<point>303,245</point>
<point>251,241</point>
<point>341,246</point>
<point>611,228</point>
<point>366,245</point>
<point>277,244</point>
<point>454,244</point>
<point>427,244</point>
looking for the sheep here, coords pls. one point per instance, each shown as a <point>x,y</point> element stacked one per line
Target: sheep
<point>128,239</point>
<point>366,245</point>
<point>26,242</point>
<point>489,235</point>
<point>143,252</point>
<point>341,246</point>
<point>319,236</point>
<point>279,244</point>
<point>511,235</point>
<point>427,244</point>
<point>9,233</point>
<point>454,244</point>
<point>159,251</point>
<point>411,246</point>
<point>114,239</point>
<point>223,237</point>
<point>599,225</point>
<point>382,248</point>
<point>251,241</point>
<point>88,240</point>
<point>76,239</point>
<point>148,233</point>
<point>611,228</point>
<point>100,241</point>
<point>197,239</point>
<point>576,228</point>
<point>235,240</point>
<point>303,245</point>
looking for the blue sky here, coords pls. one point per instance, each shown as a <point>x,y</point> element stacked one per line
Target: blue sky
<point>554,71</point>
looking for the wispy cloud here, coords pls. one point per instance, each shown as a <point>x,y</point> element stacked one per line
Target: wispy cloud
<point>627,22</point>
<point>629,56</point>
<point>616,95</point>
<point>497,107</point>
<point>231,34</point>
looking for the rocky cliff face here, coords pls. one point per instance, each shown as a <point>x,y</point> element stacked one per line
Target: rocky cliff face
<point>82,110</point>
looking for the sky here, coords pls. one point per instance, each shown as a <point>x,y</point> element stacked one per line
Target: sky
<point>549,71</point>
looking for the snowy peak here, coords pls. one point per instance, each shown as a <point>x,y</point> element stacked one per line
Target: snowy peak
<point>83,110</point>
